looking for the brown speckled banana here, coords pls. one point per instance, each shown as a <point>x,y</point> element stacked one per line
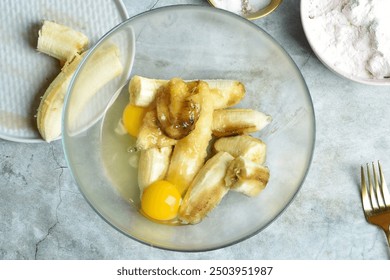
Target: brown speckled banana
<point>151,135</point>
<point>190,152</point>
<point>246,176</point>
<point>143,91</point>
<point>206,190</point>
<point>228,122</point>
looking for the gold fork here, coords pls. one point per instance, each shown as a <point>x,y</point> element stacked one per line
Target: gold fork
<point>376,199</point>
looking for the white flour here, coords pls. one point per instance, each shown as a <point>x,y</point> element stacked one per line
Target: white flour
<point>353,35</point>
<point>242,7</point>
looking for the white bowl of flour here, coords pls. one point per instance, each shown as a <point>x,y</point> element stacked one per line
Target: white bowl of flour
<point>351,37</point>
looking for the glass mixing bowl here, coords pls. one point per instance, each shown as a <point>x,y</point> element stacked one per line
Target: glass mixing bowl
<point>191,42</point>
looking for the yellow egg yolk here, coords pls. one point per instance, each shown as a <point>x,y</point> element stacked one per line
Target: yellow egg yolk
<point>132,119</point>
<point>161,201</point>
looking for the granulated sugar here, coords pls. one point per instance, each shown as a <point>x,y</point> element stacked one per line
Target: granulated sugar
<point>352,35</point>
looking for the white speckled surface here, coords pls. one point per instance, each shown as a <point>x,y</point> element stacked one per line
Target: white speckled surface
<point>43,215</point>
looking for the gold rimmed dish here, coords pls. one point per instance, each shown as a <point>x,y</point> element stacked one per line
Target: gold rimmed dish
<point>251,15</point>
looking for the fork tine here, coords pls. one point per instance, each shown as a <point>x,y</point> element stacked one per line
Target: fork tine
<point>374,203</point>
<point>385,190</point>
<point>378,192</point>
<point>365,198</point>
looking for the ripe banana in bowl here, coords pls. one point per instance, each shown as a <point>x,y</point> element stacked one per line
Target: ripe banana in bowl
<point>246,173</point>
<point>246,176</point>
<point>190,152</point>
<point>143,91</point>
<point>177,111</point>
<point>151,135</point>
<point>206,190</point>
<point>228,122</point>
<point>243,145</point>
<point>152,166</point>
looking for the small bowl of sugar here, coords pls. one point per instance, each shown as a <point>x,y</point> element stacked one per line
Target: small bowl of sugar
<point>351,38</point>
<point>249,9</point>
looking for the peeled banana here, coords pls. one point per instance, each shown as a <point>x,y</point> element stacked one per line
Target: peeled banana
<point>50,108</point>
<point>190,152</point>
<point>103,66</point>
<point>243,145</point>
<point>143,91</point>
<point>177,112</point>
<point>206,190</point>
<point>151,135</point>
<point>152,166</point>
<point>246,176</point>
<point>68,46</point>
<point>228,122</point>
<point>60,41</point>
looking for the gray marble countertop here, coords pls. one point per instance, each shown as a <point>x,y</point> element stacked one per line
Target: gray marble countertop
<point>44,216</point>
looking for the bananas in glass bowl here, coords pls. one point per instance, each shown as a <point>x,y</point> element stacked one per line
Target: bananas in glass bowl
<point>145,154</point>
